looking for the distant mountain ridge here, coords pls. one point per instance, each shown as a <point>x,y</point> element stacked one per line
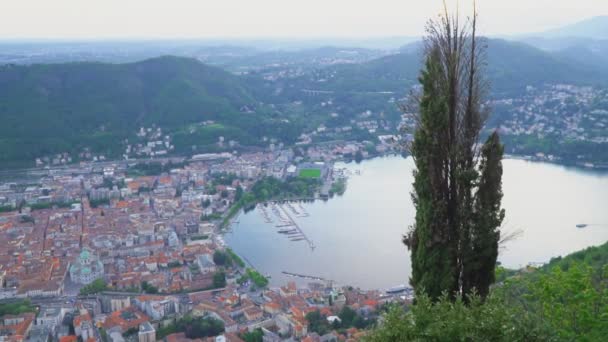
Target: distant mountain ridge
<point>594,28</point>
<point>584,43</point>
<point>511,67</point>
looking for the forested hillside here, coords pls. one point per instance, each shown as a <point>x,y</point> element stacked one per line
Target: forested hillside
<point>64,107</point>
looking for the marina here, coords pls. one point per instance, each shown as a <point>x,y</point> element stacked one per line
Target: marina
<point>286,224</point>
<point>265,214</point>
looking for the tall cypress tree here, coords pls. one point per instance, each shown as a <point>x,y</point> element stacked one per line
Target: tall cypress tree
<point>429,241</point>
<point>482,253</point>
<point>457,192</point>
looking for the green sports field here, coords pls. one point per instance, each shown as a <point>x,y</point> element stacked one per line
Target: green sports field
<point>310,173</point>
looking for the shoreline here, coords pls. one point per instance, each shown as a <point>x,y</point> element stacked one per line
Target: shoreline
<point>21,175</point>
<point>352,165</point>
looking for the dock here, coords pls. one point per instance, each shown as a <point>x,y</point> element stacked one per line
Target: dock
<point>299,213</point>
<point>265,214</point>
<point>300,233</point>
<point>304,276</point>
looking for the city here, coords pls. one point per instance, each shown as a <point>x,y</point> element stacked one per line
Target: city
<point>153,248</point>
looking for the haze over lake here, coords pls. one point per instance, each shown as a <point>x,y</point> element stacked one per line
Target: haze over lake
<point>358,235</point>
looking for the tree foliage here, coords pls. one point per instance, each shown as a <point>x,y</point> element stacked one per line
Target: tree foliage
<point>148,288</point>
<point>453,320</point>
<point>457,193</point>
<point>193,327</point>
<point>219,279</point>
<point>16,307</point>
<point>98,285</point>
<point>253,336</point>
<point>222,258</point>
<point>569,294</point>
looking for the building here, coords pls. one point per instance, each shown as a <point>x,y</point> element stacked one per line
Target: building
<point>146,333</point>
<point>205,263</point>
<point>50,317</point>
<point>16,328</point>
<point>86,268</point>
<point>114,303</point>
<point>157,307</point>
<point>83,326</point>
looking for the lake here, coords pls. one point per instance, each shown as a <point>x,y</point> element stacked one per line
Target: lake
<point>357,236</point>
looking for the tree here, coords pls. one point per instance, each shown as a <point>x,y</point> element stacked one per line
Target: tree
<point>148,288</point>
<point>16,307</point>
<point>221,258</point>
<point>199,327</point>
<point>219,280</point>
<point>480,263</point>
<point>358,156</point>
<point>98,285</point>
<point>253,336</point>
<point>347,315</point>
<point>317,322</point>
<point>239,193</point>
<point>457,193</point>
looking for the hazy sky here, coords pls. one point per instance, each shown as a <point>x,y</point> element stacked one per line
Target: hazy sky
<point>271,18</point>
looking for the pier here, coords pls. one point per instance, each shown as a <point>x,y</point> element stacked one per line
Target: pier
<point>300,236</point>
<point>304,276</point>
<point>299,213</point>
<point>265,214</point>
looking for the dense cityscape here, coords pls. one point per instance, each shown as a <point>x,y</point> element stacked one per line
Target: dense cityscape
<point>108,249</point>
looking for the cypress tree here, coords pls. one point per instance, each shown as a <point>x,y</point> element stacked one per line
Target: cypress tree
<point>488,216</point>
<point>429,240</point>
<point>457,191</point>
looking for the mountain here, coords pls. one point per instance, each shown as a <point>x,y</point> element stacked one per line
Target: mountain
<point>584,43</point>
<point>593,28</point>
<point>52,108</point>
<point>590,53</point>
<point>511,67</point>
<point>47,109</point>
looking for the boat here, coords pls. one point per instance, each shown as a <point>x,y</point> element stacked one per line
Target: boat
<point>297,239</point>
<point>581,225</point>
<point>397,289</point>
<point>286,231</point>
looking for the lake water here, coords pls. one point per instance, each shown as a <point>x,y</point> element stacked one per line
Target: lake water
<point>358,235</point>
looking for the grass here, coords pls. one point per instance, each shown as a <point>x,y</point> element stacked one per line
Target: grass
<point>310,173</point>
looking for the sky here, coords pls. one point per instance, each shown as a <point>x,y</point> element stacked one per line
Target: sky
<point>101,19</point>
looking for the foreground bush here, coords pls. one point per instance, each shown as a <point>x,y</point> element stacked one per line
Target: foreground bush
<point>445,320</point>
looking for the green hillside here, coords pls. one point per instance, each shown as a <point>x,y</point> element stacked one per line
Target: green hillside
<point>64,107</point>
<point>570,294</point>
